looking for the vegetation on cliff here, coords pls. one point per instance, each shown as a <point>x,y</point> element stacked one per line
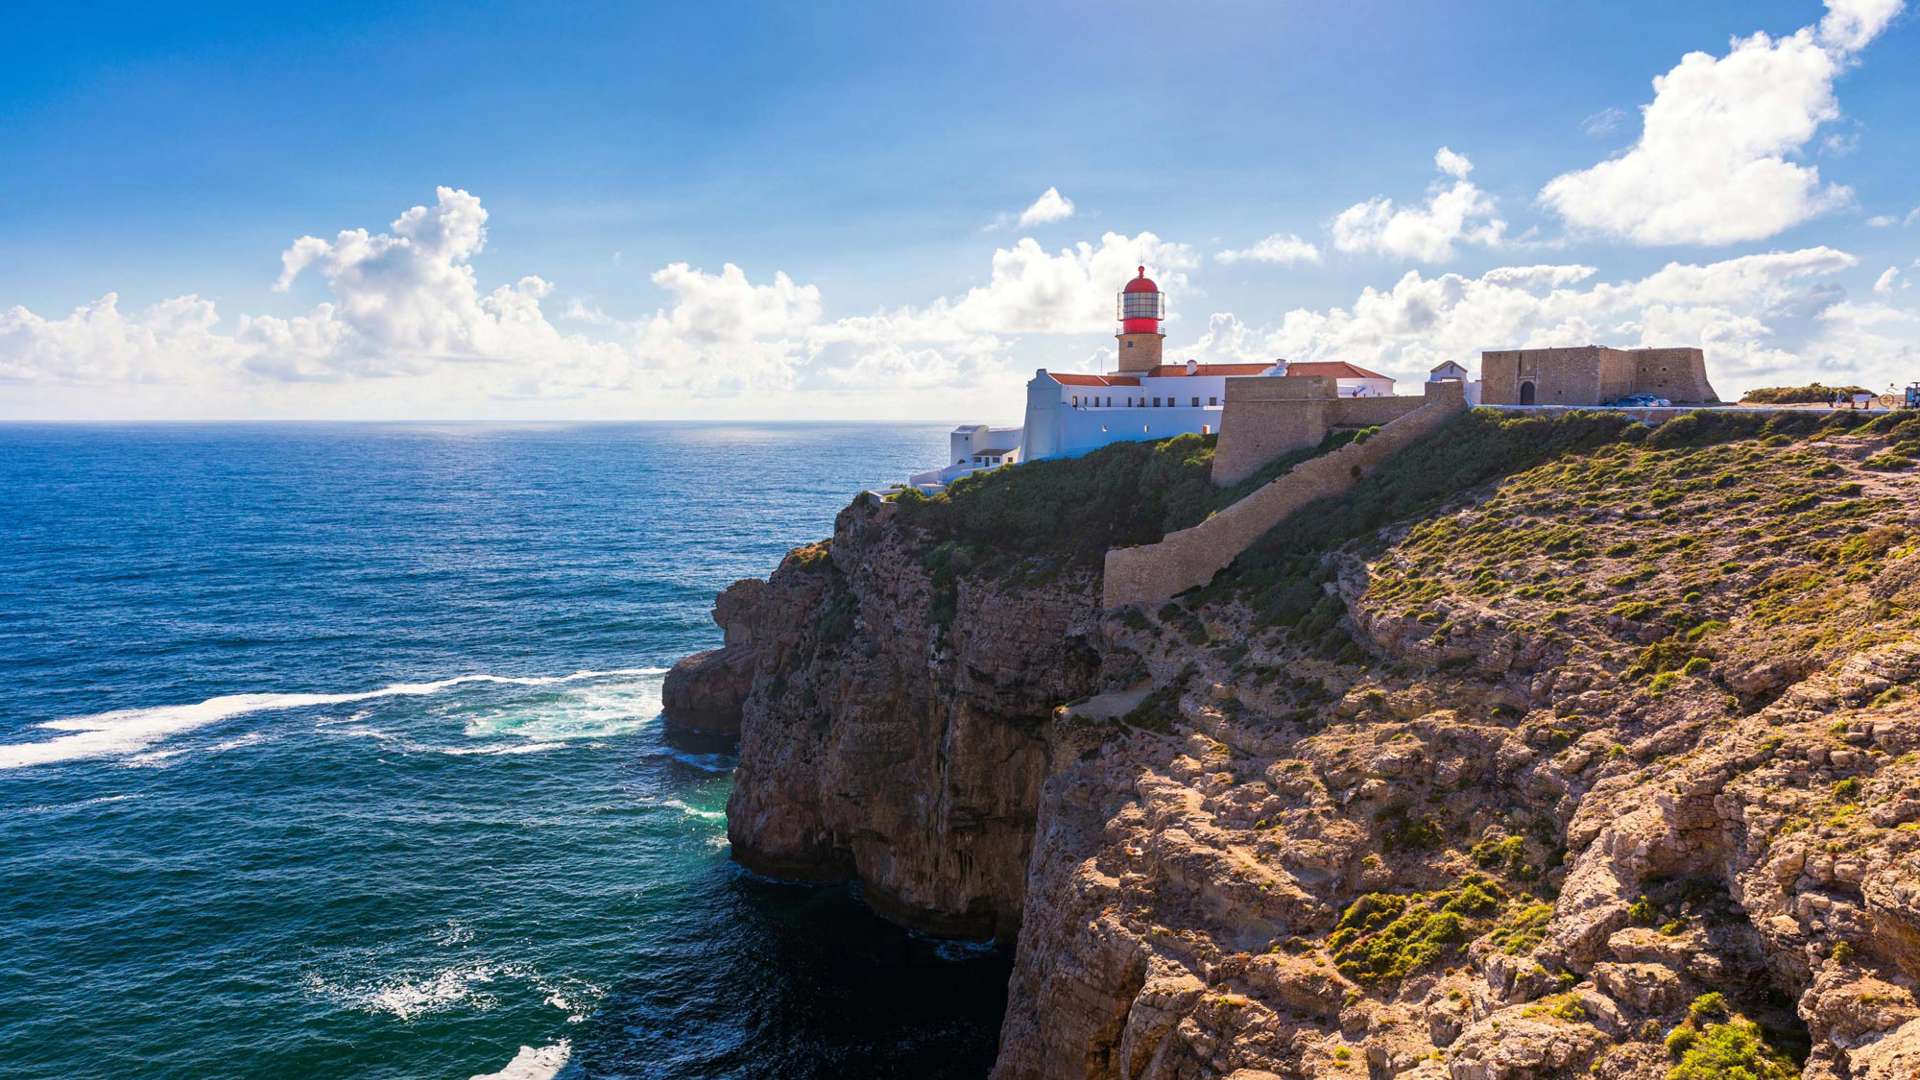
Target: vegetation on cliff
<point>1043,517</point>
<point>1557,747</point>
<point>1812,393</point>
<point>1494,742</point>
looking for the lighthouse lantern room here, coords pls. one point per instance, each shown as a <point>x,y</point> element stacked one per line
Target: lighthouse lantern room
<point>1141,309</point>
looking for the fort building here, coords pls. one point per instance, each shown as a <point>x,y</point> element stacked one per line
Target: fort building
<point>1072,413</point>
<point>1592,375</point>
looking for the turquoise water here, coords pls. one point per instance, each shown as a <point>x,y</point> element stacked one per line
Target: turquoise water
<point>333,751</point>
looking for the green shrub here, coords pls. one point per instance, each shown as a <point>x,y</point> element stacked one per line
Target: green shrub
<point>1521,931</point>
<point>1563,1006</point>
<point>1634,610</point>
<point>1810,394</point>
<point>1735,1050</point>
<point>1383,937</point>
<point>1711,1004</point>
<point>1401,831</point>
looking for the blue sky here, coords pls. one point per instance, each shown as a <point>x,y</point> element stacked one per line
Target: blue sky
<point>865,170</point>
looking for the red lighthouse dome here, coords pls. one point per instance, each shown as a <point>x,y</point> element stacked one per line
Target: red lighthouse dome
<point>1141,306</point>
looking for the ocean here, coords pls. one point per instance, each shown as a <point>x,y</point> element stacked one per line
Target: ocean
<point>334,751</point>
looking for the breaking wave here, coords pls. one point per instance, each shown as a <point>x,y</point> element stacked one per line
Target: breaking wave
<point>128,731</point>
<point>533,1063</point>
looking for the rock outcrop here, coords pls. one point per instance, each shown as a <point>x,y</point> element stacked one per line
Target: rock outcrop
<point>889,742</point>
<point>1605,764</point>
<point>706,692</point>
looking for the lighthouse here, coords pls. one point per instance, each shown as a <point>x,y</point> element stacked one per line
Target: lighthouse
<point>1141,309</point>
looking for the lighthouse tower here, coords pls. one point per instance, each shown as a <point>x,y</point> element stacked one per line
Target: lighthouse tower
<point>1142,307</point>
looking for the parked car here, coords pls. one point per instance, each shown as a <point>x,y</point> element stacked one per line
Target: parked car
<point>1642,401</point>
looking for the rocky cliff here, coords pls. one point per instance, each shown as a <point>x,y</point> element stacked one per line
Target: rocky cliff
<point>1555,748</point>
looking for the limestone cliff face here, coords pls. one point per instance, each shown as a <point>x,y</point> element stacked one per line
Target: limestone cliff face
<point>1608,767</point>
<point>896,734</point>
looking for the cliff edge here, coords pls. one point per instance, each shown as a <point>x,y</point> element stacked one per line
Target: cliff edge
<point>1555,747</point>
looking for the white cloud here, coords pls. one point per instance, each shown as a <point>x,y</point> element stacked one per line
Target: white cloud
<point>1284,248</point>
<point>1050,206</point>
<point>1454,165</point>
<point>404,308</point>
<point>1529,277</point>
<point>1883,221</point>
<point>1888,278</point>
<point>1849,25</point>
<point>1453,214</point>
<point>1757,314</point>
<point>1712,162</point>
<point>97,343</point>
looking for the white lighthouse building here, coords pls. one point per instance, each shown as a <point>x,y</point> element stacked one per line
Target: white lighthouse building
<point>1069,414</point>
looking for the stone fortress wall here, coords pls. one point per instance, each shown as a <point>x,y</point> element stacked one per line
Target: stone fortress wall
<point>1191,557</point>
<point>1592,375</point>
<point>1267,416</point>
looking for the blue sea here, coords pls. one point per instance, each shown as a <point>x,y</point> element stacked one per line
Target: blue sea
<point>335,751</point>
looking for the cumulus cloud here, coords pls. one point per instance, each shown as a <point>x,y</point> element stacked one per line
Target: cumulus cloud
<point>1050,206</point>
<point>1888,278</point>
<point>1712,165</point>
<point>1284,248</point>
<point>1528,277</point>
<point>1454,165</point>
<point>407,302</point>
<point>97,343</point>
<point>1754,315</point>
<point>1453,214</point>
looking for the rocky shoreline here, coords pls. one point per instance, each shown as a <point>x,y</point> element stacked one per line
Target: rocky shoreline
<point>1608,765</point>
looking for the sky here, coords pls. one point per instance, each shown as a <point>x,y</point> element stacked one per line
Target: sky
<point>899,212</point>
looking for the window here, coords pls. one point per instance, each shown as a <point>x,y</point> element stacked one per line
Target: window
<point>1076,401</point>
<point>1213,401</point>
<point>1156,403</point>
<point>1196,402</point>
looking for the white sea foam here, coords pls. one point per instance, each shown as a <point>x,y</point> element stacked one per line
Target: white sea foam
<point>406,998</point>
<point>127,731</point>
<point>55,808</point>
<point>602,709</point>
<point>494,748</point>
<point>694,811</point>
<point>533,1063</point>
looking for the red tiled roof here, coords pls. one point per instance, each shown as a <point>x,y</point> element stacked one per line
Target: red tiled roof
<point>1093,380</point>
<point>1166,370</point>
<point>1338,369</point>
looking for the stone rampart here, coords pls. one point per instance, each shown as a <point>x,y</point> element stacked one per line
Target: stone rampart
<point>1372,411</point>
<point>1266,417</point>
<point>1191,557</point>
